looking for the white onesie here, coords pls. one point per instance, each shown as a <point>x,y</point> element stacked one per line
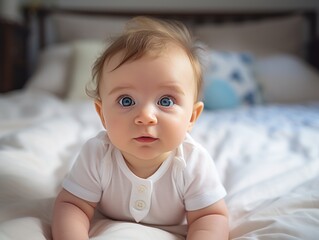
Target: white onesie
<point>186,181</point>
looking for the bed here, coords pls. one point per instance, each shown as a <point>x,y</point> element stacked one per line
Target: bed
<point>261,125</point>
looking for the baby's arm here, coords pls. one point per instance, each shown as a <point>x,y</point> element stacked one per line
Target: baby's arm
<point>208,223</point>
<point>71,217</point>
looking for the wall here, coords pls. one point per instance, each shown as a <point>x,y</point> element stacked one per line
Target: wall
<point>191,4</point>
<point>8,8</point>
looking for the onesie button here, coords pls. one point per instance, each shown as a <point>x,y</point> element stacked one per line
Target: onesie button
<point>140,205</point>
<point>142,189</point>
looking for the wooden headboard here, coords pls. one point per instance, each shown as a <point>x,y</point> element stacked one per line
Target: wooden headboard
<point>41,14</point>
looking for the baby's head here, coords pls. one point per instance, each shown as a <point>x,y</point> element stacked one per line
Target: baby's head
<point>147,86</point>
<point>147,36</point>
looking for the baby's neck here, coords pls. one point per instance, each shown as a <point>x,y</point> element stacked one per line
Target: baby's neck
<point>144,168</point>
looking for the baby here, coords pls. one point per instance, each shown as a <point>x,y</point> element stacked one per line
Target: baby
<point>145,167</point>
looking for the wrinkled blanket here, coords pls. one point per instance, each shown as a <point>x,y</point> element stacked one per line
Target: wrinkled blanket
<point>267,157</point>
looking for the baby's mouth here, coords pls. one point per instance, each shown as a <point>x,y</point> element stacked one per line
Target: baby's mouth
<point>145,139</point>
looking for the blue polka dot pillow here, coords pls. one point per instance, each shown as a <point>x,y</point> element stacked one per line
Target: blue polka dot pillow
<point>229,81</point>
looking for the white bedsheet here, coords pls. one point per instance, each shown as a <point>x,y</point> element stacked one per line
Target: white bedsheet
<point>268,159</point>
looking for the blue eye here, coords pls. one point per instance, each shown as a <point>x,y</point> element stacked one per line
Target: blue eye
<point>166,102</point>
<point>126,101</point>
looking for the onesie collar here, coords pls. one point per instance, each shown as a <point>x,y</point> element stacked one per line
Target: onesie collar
<point>130,175</point>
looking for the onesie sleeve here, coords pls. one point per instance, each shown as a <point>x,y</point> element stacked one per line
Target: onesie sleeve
<point>85,177</point>
<point>202,186</point>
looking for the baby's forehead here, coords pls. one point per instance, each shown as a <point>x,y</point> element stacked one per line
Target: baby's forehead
<point>172,65</point>
<point>115,59</point>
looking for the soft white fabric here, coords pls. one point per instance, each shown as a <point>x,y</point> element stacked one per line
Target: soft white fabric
<point>266,156</point>
<point>51,74</point>
<point>84,54</point>
<point>188,178</point>
<point>287,79</point>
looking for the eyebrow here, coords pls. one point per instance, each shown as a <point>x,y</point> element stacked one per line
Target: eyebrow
<point>118,89</point>
<point>173,87</point>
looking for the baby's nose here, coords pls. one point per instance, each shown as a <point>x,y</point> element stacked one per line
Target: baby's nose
<point>146,116</point>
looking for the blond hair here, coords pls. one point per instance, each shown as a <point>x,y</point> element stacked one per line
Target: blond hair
<point>145,35</point>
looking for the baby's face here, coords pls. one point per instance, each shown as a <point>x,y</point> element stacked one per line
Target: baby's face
<point>147,104</point>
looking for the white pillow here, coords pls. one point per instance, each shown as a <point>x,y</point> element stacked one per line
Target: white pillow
<point>52,70</point>
<point>287,79</point>
<point>72,28</point>
<point>84,54</point>
<point>262,38</point>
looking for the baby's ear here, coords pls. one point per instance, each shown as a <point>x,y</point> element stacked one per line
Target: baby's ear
<point>197,110</point>
<point>99,110</point>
